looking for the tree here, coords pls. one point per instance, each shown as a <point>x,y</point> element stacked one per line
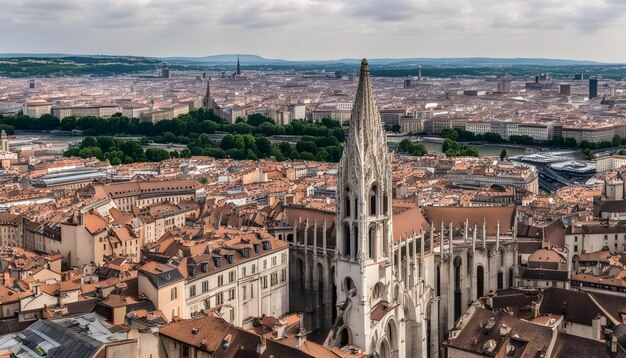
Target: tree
<point>587,154</point>
<point>132,149</point>
<point>157,154</point>
<point>570,142</point>
<point>406,145</point>
<point>503,154</point>
<point>396,128</point>
<point>264,146</point>
<point>89,142</point>
<point>450,133</point>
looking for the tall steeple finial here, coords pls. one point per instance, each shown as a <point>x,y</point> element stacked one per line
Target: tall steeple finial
<point>366,141</point>
<point>238,66</point>
<point>207,101</point>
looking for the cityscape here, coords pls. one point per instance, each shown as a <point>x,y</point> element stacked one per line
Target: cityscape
<point>349,198</point>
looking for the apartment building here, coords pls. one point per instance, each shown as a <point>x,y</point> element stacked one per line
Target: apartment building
<point>589,134</point>
<point>341,112</point>
<point>144,193</point>
<point>391,117</point>
<point>246,275</point>
<point>11,230</point>
<point>37,109</point>
<point>105,111</point>
<point>163,285</point>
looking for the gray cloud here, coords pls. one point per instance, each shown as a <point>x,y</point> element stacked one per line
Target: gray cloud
<point>318,28</point>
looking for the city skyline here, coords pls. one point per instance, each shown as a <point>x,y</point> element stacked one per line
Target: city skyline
<point>317,30</point>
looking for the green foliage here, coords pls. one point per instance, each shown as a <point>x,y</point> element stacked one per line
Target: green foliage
<point>522,139</point>
<point>503,154</point>
<point>455,149</point>
<point>587,153</point>
<point>406,145</point>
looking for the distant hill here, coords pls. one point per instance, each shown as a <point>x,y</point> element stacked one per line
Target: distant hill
<point>249,59</point>
<point>440,61</point>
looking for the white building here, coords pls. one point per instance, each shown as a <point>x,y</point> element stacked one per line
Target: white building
<point>247,277</point>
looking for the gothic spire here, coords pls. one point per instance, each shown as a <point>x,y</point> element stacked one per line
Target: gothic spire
<point>238,66</point>
<point>366,138</point>
<point>207,101</point>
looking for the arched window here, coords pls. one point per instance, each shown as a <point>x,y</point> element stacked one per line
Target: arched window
<point>378,292</point>
<point>500,280</point>
<point>346,240</point>
<point>355,212</point>
<point>373,198</point>
<point>480,281</point>
<point>356,240</point>
<point>346,202</point>
<point>348,285</point>
<point>371,237</point>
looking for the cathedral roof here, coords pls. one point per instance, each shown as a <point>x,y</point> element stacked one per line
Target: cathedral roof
<point>408,221</point>
<point>475,216</point>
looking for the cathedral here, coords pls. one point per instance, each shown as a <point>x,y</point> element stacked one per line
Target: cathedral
<point>384,277</point>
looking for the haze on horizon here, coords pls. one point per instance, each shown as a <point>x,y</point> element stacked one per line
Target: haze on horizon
<point>318,29</point>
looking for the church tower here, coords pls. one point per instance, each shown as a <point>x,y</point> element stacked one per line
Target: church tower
<point>207,101</point>
<point>4,142</point>
<point>364,272</point>
<point>238,66</point>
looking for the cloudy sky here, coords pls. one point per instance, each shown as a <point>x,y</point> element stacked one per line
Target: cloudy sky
<point>319,29</point>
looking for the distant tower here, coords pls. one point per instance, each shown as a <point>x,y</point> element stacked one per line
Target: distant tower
<point>238,66</point>
<point>31,84</point>
<point>207,101</point>
<point>419,72</point>
<point>165,72</point>
<point>593,87</point>
<point>4,142</point>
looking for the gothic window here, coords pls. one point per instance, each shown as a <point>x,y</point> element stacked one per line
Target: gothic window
<point>348,285</point>
<point>500,280</point>
<point>346,240</point>
<point>356,240</point>
<point>378,292</point>
<point>346,202</point>
<point>373,198</point>
<point>356,209</point>
<point>371,238</point>
<point>480,281</point>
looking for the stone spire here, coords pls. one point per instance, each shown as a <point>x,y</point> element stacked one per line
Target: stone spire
<point>366,141</point>
<point>238,66</point>
<point>207,101</point>
<point>364,180</point>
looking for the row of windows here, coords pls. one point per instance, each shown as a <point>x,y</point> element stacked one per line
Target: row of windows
<point>274,279</point>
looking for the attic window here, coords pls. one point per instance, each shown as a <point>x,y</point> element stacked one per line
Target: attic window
<point>204,266</point>
<point>217,261</point>
<point>267,245</point>
<point>230,258</point>
<point>245,253</point>
<point>257,248</point>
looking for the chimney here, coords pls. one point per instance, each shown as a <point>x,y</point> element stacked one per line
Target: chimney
<point>36,289</point>
<point>301,338</point>
<point>260,347</point>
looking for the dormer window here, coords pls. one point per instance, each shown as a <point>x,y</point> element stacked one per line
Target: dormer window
<point>204,267</point>
<point>192,269</point>
<point>267,245</point>
<point>217,261</point>
<point>245,253</point>
<point>230,258</point>
<point>257,248</point>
